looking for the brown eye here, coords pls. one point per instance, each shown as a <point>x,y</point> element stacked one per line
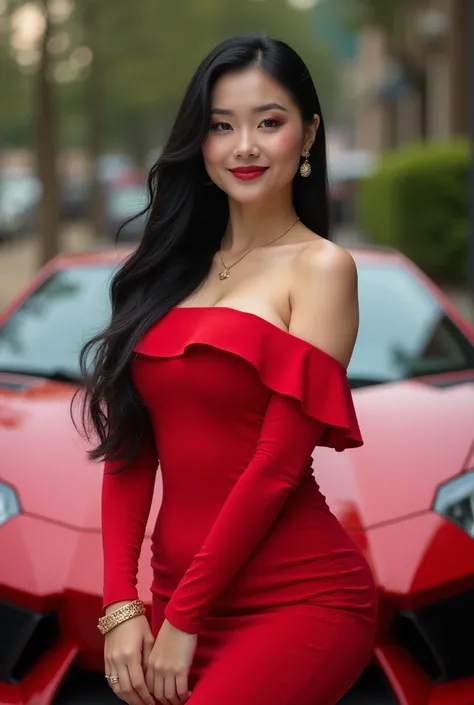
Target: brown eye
<point>220,126</point>
<point>270,122</point>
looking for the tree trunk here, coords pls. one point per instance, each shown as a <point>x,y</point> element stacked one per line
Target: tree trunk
<point>95,114</point>
<point>459,67</point>
<point>47,150</point>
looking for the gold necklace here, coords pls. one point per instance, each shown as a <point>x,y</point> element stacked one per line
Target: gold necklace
<point>226,271</point>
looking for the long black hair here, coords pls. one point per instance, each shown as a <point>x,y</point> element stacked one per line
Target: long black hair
<point>186,220</point>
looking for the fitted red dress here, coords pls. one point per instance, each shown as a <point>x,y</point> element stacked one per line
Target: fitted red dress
<point>245,551</point>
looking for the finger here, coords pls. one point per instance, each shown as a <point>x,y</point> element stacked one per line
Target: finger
<point>126,690</point>
<point>150,678</point>
<point>171,693</point>
<point>137,678</point>
<point>182,687</point>
<point>109,669</point>
<point>159,689</point>
<point>146,652</point>
<point>113,670</point>
<point>116,688</point>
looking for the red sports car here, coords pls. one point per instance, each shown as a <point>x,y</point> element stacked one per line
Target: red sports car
<point>407,496</point>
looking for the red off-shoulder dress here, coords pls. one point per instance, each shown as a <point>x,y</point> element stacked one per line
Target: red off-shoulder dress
<point>245,551</point>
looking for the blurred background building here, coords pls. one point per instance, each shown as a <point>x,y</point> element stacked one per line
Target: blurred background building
<point>417,88</point>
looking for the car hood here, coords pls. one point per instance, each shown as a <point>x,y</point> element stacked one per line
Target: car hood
<point>417,434</point>
<point>43,456</point>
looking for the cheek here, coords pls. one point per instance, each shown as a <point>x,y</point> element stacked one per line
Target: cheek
<point>287,144</point>
<point>212,150</point>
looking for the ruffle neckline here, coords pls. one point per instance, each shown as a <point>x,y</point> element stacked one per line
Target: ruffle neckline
<point>285,363</point>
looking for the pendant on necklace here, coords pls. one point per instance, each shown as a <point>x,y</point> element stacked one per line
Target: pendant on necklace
<point>225,274</point>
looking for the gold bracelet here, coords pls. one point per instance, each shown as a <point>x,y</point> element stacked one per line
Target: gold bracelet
<point>132,609</point>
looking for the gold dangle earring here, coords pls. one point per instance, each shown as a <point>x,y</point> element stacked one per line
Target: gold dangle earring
<point>305,168</point>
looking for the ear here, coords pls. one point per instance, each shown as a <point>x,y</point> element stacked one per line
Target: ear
<point>310,134</point>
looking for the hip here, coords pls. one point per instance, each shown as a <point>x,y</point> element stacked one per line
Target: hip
<point>305,557</point>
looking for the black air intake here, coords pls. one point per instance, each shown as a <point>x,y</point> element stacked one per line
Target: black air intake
<point>436,637</point>
<point>24,636</point>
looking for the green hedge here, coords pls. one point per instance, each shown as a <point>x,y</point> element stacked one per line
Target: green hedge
<point>417,203</point>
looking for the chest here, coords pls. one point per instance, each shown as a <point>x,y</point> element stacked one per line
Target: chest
<point>203,382</point>
<point>260,285</point>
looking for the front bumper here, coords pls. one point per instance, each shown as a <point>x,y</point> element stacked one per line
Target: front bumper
<point>50,599</point>
<point>424,569</point>
<point>412,686</point>
<point>55,570</point>
<point>41,683</point>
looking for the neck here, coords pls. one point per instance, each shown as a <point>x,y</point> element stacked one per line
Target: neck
<point>254,224</point>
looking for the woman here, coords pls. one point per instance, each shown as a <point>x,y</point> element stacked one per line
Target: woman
<point>232,325</point>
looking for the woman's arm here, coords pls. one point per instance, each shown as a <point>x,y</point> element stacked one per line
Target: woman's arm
<point>287,440</point>
<point>288,437</point>
<point>126,502</point>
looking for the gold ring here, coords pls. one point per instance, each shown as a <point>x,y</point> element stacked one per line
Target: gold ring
<point>112,680</point>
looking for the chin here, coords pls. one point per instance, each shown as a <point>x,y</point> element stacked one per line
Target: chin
<point>249,198</point>
<point>249,193</point>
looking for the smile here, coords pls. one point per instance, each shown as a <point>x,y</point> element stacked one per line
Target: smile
<point>246,173</point>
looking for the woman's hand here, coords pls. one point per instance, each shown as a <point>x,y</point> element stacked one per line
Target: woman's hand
<point>169,665</point>
<point>127,650</point>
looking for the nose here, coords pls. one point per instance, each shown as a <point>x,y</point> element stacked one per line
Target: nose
<point>245,146</point>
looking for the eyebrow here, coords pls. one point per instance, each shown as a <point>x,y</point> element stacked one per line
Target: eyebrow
<point>258,109</point>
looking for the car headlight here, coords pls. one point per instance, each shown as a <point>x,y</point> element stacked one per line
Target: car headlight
<point>9,504</point>
<point>455,501</point>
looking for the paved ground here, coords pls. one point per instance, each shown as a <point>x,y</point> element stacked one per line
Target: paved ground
<point>18,262</point>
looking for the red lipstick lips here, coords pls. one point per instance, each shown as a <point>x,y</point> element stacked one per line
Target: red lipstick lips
<point>246,173</point>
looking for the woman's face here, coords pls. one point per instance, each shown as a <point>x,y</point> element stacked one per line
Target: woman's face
<point>257,136</point>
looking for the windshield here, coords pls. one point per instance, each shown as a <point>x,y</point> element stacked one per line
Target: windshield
<point>403,331</point>
<point>45,335</point>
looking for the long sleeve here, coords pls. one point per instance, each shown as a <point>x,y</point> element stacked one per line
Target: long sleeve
<point>126,502</point>
<point>288,437</point>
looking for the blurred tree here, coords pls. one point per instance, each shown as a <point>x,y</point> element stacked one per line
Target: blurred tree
<point>29,41</point>
<point>91,14</point>
<point>109,74</point>
<point>15,117</point>
<point>46,120</point>
<point>152,48</point>
<point>127,64</point>
<point>379,14</point>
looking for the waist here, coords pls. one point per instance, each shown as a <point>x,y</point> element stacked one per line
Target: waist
<point>196,491</point>
<point>188,513</point>
<point>306,555</point>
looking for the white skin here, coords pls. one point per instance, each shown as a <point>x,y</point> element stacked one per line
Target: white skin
<point>303,284</point>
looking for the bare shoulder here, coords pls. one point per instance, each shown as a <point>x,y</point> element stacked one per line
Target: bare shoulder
<point>320,257</point>
<point>323,297</point>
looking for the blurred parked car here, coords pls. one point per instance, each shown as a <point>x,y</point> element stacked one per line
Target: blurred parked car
<point>406,496</point>
<point>110,167</point>
<point>19,196</point>
<point>75,195</point>
<point>345,168</point>
<point>130,177</point>
<point>125,201</point>
<point>111,170</point>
